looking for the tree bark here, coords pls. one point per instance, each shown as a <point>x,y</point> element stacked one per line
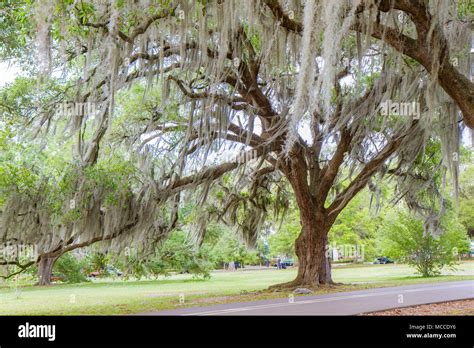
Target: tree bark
<point>458,87</point>
<point>314,267</point>
<point>310,246</point>
<point>325,272</point>
<point>45,269</point>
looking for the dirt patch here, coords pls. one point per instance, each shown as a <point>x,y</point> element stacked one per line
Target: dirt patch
<point>464,307</point>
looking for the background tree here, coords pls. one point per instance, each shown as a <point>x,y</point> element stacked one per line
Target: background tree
<point>404,239</point>
<point>466,199</point>
<point>282,241</point>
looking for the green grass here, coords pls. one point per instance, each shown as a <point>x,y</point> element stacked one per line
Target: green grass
<point>119,297</point>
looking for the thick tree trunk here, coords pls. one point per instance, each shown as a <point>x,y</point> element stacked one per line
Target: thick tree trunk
<point>314,267</point>
<point>45,269</point>
<point>310,246</point>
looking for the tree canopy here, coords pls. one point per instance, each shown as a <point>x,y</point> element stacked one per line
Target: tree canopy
<point>173,98</point>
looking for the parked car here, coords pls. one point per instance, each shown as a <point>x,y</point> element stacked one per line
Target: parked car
<point>284,263</point>
<point>94,274</point>
<point>382,261</point>
<point>108,271</point>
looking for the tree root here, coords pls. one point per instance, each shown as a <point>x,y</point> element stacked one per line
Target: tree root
<point>292,285</point>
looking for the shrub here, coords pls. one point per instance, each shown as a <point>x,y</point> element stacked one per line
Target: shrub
<point>403,238</point>
<point>175,254</point>
<point>70,268</point>
<point>96,261</point>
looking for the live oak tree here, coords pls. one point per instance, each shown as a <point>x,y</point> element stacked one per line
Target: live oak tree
<point>50,204</point>
<point>292,86</point>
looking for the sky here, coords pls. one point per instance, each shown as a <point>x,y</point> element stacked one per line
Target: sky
<point>8,73</point>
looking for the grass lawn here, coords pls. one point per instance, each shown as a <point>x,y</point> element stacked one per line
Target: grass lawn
<point>120,297</point>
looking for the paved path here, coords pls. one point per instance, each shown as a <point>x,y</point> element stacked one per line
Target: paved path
<point>342,303</point>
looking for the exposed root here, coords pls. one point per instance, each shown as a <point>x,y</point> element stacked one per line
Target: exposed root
<point>287,286</point>
<point>297,283</point>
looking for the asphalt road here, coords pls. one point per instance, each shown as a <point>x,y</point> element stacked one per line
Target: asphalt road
<point>342,303</point>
